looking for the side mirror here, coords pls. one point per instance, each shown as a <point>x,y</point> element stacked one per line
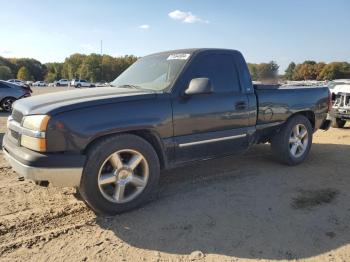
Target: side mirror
<point>199,86</point>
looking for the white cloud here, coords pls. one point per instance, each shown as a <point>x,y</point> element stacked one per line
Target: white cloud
<point>87,47</point>
<point>186,17</point>
<point>144,27</point>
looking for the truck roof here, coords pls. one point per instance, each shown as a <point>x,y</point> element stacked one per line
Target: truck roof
<point>196,50</point>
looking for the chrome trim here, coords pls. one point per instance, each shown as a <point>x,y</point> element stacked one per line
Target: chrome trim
<point>212,140</point>
<point>62,177</point>
<point>15,126</point>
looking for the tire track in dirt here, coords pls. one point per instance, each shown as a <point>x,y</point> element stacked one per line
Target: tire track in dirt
<point>35,215</point>
<point>30,227</point>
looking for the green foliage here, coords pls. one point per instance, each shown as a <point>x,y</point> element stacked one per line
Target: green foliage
<point>310,70</point>
<point>51,77</point>
<point>253,71</point>
<point>5,72</point>
<point>35,68</point>
<point>6,62</point>
<point>98,68</point>
<point>95,67</point>
<point>54,71</point>
<point>263,71</point>
<point>24,74</point>
<point>71,66</point>
<point>290,71</point>
<point>335,70</point>
<point>305,71</point>
<point>91,68</point>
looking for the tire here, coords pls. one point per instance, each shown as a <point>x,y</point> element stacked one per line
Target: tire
<point>338,123</point>
<point>6,104</point>
<point>58,84</point>
<point>104,198</point>
<point>288,147</point>
<point>79,85</point>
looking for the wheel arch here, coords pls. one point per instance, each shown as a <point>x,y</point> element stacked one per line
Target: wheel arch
<point>3,99</point>
<point>150,136</point>
<point>310,115</point>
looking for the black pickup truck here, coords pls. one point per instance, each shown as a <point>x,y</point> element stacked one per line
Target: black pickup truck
<point>165,110</point>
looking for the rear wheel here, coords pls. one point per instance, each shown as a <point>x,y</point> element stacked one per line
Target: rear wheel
<point>121,173</point>
<point>292,143</point>
<point>6,104</point>
<point>338,123</point>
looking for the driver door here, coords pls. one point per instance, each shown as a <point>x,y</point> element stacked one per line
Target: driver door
<point>209,125</point>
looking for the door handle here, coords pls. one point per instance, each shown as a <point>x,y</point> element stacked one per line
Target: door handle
<point>241,105</point>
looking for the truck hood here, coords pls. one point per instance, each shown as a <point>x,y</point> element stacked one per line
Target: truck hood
<point>75,99</point>
<point>341,89</point>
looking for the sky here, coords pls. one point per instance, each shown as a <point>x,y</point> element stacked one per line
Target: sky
<point>263,30</point>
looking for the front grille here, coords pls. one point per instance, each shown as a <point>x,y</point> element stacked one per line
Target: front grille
<point>14,122</point>
<point>17,116</point>
<point>14,134</point>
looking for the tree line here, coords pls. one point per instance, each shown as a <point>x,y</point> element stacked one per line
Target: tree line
<point>263,71</point>
<point>93,67</point>
<point>98,68</point>
<point>311,70</point>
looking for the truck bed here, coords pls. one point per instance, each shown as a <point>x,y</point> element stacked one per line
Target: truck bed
<point>276,103</point>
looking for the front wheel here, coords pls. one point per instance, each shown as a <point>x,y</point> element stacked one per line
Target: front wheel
<point>292,143</point>
<point>120,174</point>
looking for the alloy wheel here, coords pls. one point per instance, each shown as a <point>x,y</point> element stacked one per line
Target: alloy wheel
<point>298,140</point>
<point>123,176</point>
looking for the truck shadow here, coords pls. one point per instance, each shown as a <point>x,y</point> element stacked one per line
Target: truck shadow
<point>244,206</point>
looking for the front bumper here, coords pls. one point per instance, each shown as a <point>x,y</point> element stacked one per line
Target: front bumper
<point>341,116</point>
<point>63,170</point>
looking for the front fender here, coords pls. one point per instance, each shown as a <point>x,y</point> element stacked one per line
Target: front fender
<point>74,130</point>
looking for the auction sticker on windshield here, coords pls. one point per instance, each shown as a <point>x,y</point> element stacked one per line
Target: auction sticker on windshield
<point>178,57</point>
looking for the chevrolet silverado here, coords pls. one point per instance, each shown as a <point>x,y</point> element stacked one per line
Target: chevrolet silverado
<point>165,110</point>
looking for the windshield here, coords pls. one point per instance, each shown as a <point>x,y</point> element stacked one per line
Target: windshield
<point>155,72</point>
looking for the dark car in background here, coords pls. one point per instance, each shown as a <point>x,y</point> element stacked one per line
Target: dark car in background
<point>10,92</point>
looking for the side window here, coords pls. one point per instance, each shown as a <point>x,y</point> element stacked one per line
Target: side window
<point>220,69</point>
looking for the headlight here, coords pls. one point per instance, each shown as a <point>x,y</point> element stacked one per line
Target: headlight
<point>33,132</point>
<point>36,122</point>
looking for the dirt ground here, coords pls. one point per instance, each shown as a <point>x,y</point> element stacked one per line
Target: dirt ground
<point>234,208</point>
